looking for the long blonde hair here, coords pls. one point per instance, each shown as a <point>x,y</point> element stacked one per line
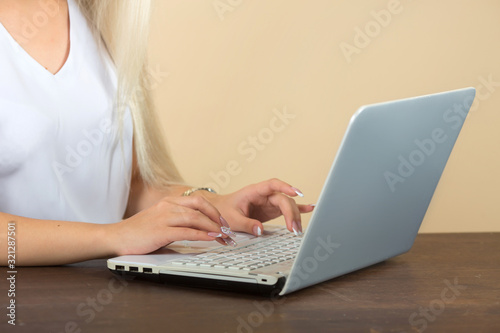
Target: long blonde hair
<point>123,28</point>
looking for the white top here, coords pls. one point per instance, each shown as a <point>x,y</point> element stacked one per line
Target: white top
<point>60,153</point>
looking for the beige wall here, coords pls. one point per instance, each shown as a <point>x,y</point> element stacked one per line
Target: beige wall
<point>218,79</point>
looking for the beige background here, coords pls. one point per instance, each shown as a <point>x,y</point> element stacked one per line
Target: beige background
<point>228,71</point>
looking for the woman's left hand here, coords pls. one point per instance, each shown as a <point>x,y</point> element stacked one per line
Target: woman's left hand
<point>246,209</point>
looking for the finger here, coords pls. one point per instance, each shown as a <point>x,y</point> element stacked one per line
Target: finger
<point>220,241</point>
<point>250,226</point>
<point>290,211</point>
<point>194,219</point>
<point>274,185</point>
<point>202,205</point>
<point>306,208</point>
<point>180,234</point>
<point>183,216</point>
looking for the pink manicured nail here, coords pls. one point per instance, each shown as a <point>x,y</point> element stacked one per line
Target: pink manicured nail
<point>227,231</point>
<point>215,234</point>
<point>298,225</point>
<point>299,192</point>
<point>297,230</point>
<point>225,228</point>
<point>230,241</point>
<point>257,231</point>
<point>224,222</point>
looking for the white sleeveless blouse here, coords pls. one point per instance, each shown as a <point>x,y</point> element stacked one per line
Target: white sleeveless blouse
<point>61,157</point>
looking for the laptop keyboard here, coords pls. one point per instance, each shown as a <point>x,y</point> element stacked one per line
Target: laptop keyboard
<point>266,250</point>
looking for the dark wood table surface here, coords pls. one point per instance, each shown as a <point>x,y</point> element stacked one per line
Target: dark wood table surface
<point>446,283</point>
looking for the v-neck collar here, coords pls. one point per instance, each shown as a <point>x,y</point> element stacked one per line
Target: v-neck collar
<point>38,66</point>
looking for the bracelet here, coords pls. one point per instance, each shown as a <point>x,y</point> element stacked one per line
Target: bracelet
<point>194,189</point>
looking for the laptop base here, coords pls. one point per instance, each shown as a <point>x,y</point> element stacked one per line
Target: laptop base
<point>214,284</point>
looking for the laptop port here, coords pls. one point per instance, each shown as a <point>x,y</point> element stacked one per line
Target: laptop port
<point>133,269</point>
<point>120,268</point>
<point>147,270</point>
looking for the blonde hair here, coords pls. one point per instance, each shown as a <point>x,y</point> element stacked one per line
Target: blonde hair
<point>123,28</point>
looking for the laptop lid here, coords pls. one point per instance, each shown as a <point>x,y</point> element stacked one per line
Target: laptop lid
<point>380,185</point>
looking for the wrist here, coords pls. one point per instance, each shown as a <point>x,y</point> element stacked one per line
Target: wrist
<point>210,196</point>
<point>110,236</point>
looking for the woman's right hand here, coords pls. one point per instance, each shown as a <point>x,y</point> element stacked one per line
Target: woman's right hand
<point>171,219</point>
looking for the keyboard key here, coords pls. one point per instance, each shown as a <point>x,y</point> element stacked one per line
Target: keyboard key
<point>206,265</point>
<point>267,250</point>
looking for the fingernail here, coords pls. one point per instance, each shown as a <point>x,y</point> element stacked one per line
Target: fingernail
<point>296,230</point>
<point>225,228</point>
<point>299,193</point>
<point>224,222</point>
<point>298,225</point>
<point>230,241</point>
<point>312,205</point>
<point>227,231</point>
<point>257,231</point>
<point>215,234</point>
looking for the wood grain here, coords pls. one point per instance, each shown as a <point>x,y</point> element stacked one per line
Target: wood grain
<point>381,298</point>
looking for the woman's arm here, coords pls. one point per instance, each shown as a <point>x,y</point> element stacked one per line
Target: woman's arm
<point>47,242</point>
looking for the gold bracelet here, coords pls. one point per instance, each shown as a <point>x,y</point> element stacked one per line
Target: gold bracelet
<point>194,189</point>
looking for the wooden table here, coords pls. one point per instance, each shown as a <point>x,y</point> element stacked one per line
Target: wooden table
<point>446,283</point>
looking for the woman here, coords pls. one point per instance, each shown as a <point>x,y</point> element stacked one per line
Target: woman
<point>79,143</point>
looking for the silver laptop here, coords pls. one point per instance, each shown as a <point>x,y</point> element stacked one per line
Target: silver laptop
<point>370,209</point>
